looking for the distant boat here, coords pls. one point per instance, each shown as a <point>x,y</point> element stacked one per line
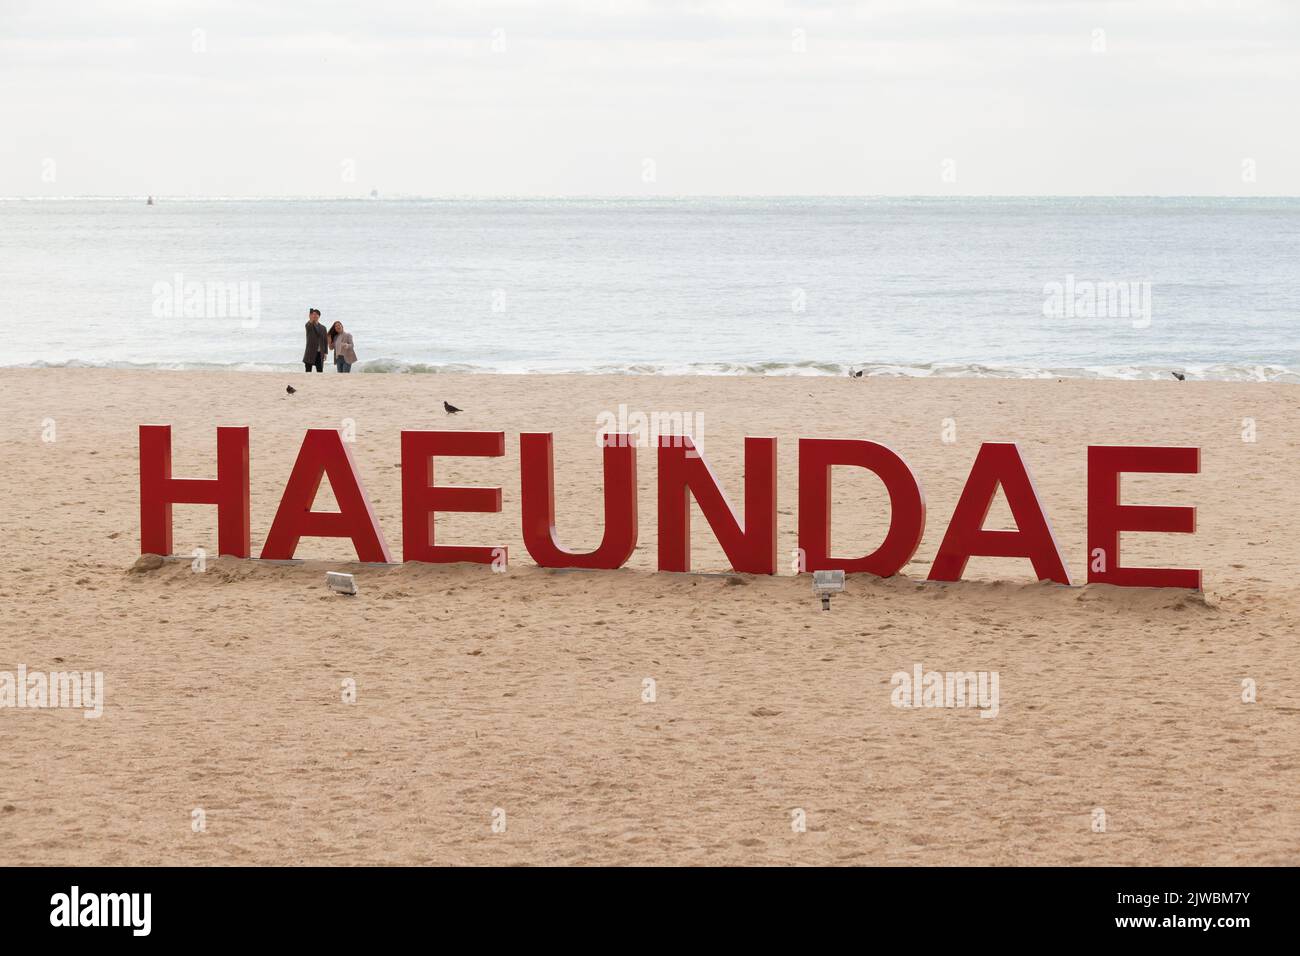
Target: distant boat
<point>150,202</point>
<point>374,194</point>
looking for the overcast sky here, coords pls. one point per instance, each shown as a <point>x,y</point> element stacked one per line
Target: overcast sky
<point>649,97</point>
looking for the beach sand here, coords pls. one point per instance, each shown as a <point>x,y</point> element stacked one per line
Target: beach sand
<point>517,697</point>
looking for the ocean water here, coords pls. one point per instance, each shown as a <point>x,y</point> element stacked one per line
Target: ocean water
<point>923,286</point>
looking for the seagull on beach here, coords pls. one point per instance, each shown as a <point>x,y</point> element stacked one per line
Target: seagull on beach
<point>451,409</point>
<point>1179,375</point>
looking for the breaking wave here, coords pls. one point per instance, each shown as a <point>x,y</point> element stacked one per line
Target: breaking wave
<point>1214,373</point>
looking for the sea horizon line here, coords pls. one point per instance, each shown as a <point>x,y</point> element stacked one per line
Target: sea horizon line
<point>628,197</point>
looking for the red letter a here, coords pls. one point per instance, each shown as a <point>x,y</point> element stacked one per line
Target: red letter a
<point>998,463</point>
<point>324,453</point>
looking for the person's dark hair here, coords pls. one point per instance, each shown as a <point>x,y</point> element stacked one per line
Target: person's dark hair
<point>315,312</point>
<point>332,333</point>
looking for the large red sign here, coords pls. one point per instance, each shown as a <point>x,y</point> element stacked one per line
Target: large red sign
<point>748,540</point>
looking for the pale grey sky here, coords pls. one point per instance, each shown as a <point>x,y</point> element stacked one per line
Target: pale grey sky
<point>649,97</point>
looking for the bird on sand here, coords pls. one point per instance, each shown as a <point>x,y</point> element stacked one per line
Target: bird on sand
<point>1179,375</point>
<point>290,389</point>
<point>858,373</point>
<point>451,409</point>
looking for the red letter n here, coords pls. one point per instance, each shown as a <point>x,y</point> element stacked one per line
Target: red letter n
<point>751,549</point>
<point>159,490</point>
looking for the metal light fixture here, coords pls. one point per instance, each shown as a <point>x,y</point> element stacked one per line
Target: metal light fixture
<point>826,583</point>
<point>340,582</point>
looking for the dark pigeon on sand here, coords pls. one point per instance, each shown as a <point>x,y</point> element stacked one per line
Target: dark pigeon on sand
<point>290,389</point>
<point>451,409</point>
<point>1179,375</point>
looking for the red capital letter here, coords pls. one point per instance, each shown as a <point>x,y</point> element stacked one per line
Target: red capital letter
<point>999,463</point>
<point>683,472</point>
<point>421,498</point>
<point>159,490</point>
<point>906,504</point>
<point>1107,517</point>
<point>324,453</point>
<point>537,493</point>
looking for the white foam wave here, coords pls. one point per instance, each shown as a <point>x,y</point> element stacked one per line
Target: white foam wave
<point>1216,373</point>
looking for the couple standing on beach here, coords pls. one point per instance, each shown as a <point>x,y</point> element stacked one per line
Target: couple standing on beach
<point>320,341</point>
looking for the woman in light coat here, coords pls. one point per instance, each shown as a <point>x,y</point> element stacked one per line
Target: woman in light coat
<point>341,343</point>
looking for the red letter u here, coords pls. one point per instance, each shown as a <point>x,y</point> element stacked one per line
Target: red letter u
<point>537,487</point>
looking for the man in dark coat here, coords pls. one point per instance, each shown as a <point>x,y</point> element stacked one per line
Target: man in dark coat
<point>317,342</point>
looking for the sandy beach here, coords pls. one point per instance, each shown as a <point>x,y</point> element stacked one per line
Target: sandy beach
<point>516,698</point>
